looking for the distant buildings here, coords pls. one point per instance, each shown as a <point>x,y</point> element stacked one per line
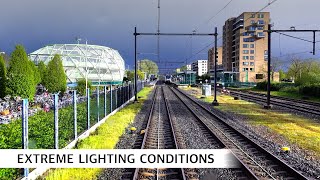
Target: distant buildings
<point>200,66</point>
<point>245,46</point>
<point>189,67</point>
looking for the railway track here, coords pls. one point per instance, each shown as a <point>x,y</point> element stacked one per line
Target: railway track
<point>159,133</point>
<point>258,163</point>
<point>292,104</point>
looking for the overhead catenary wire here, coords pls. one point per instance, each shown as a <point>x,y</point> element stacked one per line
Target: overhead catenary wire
<point>295,37</point>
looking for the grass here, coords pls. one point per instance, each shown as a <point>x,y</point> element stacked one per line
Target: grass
<point>296,129</point>
<point>106,137</point>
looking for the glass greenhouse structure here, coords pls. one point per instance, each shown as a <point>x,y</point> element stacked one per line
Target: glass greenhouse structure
<point>99,64</point>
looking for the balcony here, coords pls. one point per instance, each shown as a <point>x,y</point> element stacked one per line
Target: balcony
<point>238,27</point>
<point>238,20</point>
<point>259,35</point>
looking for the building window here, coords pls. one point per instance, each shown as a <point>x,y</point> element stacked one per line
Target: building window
<point>261,22</point>
<point>245,69</point>
<point>259,76</point>
<point>248,40</point>
<point>260,34</point>
<point>245,45</point>
<point>251,57</point>
<point>245,63</point>
<point>251,51</point>
<point>245,57</point>
<point>252,22</point>
<point>245,51</point>
<point>251,63</point>
<point>245,34</point>
<point>251,69</point>
<point>253,15</point>
<point>260,28</point>
<point>251,45</point>
<point>260,15</point>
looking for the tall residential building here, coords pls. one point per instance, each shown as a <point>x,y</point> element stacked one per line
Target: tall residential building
<point>227,44</point>
<point>249,46</point>
<point>200,66</point>
<point>211,60</point>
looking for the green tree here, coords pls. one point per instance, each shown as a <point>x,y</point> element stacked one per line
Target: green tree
<point>36,73</point>
<point>20,75</point>
<point>148,66</point>
<point>183,68</point>
<point>141,75</point>
<point>282,75</point>
<point>3,77</point>
<point>81,86</point>
<point>56,80</point>
<point>42,68</point>
<point>130,75</point>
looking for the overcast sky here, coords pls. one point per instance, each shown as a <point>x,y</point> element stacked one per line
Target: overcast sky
<point>36,23</point>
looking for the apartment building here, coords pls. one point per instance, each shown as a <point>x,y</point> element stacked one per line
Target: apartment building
<point>189,67</point>
<point>246,54</point>
<point>200,66</point>
<point>211,60</point>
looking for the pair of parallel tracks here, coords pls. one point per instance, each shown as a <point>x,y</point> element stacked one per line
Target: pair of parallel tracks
<point>293,104</point>
<point>159,133</point>
<point>258,163</point>
<point>162,133</point>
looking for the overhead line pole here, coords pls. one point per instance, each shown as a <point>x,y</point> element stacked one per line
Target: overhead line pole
<point>158,34</point>
<point>135,65</point>
<point>269,31</point>
<point>215,102</point>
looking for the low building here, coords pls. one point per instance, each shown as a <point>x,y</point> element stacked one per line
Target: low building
<point>200,67</point>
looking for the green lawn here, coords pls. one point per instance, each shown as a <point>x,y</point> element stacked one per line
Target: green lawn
<point>296,129</point>
<point>106,137</point>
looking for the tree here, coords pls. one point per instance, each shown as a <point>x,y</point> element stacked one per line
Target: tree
<point>20,75</point>
<point>148,66</point>
<point>56,79</point>
<point>36,73</point>
<point>3,77</point>
<point>42,68</point>
<point>130,75</point>
<point>282,75</point>
<point>81,86</point>
<point>183,68</point>
<point>204,77</point>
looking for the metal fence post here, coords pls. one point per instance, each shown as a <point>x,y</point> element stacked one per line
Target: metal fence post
<point>98,103</point>
<point>116,90</point>
<point>105,101</point>
<point>25,140</point>
<point>88,108</point>
<point>56,121</point>
<point>75,114</point>
<point>111,98</point>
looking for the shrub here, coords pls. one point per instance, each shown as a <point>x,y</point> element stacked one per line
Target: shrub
<point>310,89</point>
<point>274,86</point>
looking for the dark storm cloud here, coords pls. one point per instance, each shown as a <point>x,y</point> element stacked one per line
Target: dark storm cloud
<point>35,23</point>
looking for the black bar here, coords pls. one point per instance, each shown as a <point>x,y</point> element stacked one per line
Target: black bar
<point>135,65</point>
<point>275,30</point>
<point>176,34</point>
<point>314,42</point>
<point>269,65</point>
<point>215,102</point>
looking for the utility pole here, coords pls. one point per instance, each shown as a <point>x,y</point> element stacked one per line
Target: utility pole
<point>215,102</point>
<point>268,106</point>
<point>135,66</point>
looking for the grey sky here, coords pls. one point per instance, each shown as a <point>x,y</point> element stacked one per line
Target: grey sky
<point>35,23</point>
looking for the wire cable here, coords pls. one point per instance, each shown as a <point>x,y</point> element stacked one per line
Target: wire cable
<point>295,37</point>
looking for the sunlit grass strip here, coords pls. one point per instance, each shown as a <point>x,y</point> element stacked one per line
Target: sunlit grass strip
<point>106,137</point>
<point>298,130</point>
